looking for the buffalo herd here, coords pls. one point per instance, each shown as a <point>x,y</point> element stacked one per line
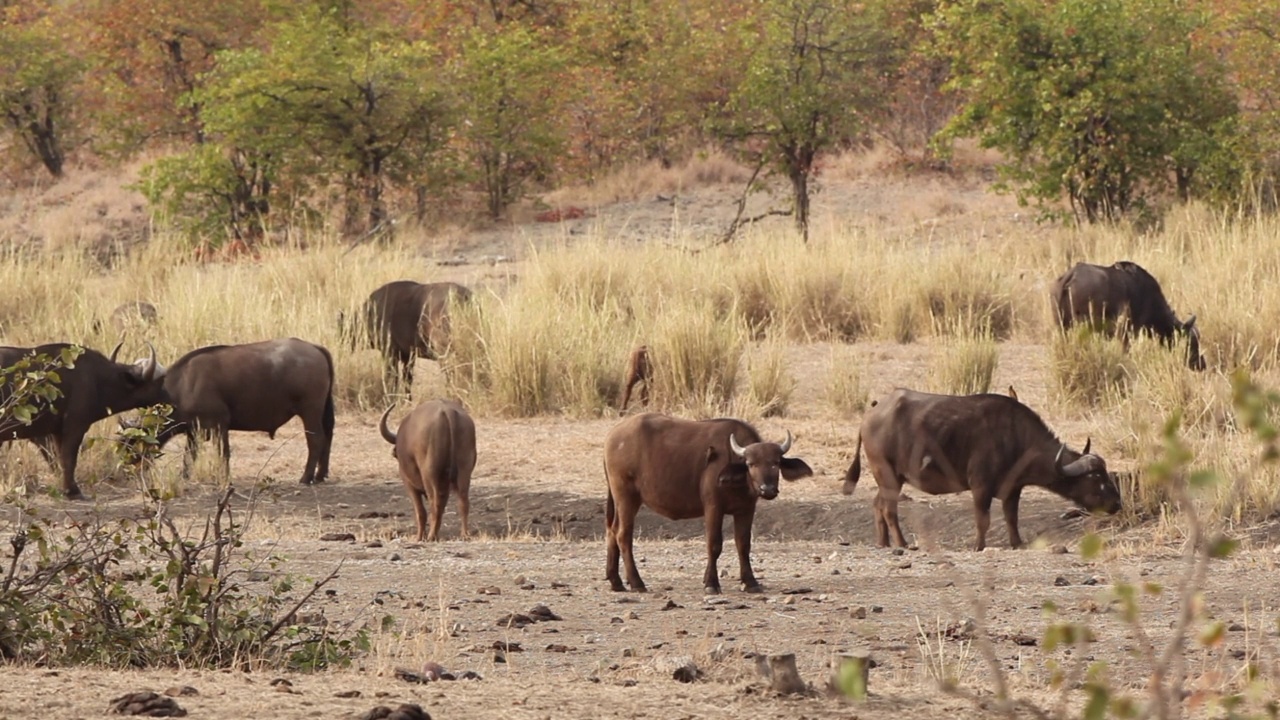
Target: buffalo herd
<point>989,445</point>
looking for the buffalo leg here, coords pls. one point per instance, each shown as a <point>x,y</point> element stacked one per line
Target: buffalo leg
<point>224,436</point>
<point>626,397</point>
<point>48,450</point>
<point>68,455</point>
<point>742,539</point>
<point>192,450</point>
<point>624,531</point>
<point>611,545</point>
<point>714,521</point>
<point>464,510</point>
<point>1010,507</point>
<point>890,511</point>
<point>644,394</point>
<point>419,512</point>
<point>316,442</point>
<point>882,525</point>
<point>439,499</point>
<point>982,514</point>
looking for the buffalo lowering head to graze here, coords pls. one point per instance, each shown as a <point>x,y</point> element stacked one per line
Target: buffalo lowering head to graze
<point>990,445</point>
<point>1115,297</point>
<point>639,372</point>
<point>256,387</point>
<point>92,388</point>
<point>436,448</point>
<point>684,469</point>
<point>406,320</point>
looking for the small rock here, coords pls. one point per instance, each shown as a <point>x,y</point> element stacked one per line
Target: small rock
<point>615,620</point>
<point>633,615</point>
<point>876,609</point>
<point>906,565</point>
<point>789,600</point>
<point>628,652</point>
<point>520,580</point>
<point>1092,580</point>
<point>181,691</point>
<point>858,613</point>
<point>394,557</point>
<point>338,537</point>
<point>506,646</point>
<point>347,694</point>
<point>899,551</point>
<point>490,590</point>
<point>1058,549</point>
<point>558,648</point>
<point>1061,581</point>
<point>1235,627</point>
<point>541,612</point>
<point>671,605</point>
<point>277,682</point>
<point>373,544</point>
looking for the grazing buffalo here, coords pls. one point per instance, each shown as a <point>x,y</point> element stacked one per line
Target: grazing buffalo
<point>130,315</point>
<point>686,469</point>
<point>256,387</point>
<point>436,447</point>
<point>406,320</point>
<point>95,387</point>
<point>990,445</point>
<point>1101,294</point>
<point>638,371</point>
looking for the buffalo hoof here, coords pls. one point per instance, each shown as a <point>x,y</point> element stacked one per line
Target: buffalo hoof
<point>617,586</point>
<point>639,588</point>
<point>712,589</point>
<point>752,587</point>
<point>76,494</point>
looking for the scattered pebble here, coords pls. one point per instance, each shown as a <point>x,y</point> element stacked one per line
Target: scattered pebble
<point>147,704</point>
<point>181,691</point>
<point>1061,581</point>
<point>338,537</point>
<point>858,613</point>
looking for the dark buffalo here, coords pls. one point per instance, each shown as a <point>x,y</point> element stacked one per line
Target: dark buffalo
<point>638,371</point>
<point>989,444</point>
<point>406,320</point>
<point>686,469</point>
<point>96,387</point>
<point>436,448</point>
<point>256,387</point>
<point>1102,295</point>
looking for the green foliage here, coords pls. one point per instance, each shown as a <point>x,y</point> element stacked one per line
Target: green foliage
<point>368,108</point>
<point>207,196</point>
<point>1098,102</point>
<point>140,593</point>
<point>37,87</point>
<point>30,386</point>
<point>814,73</point>
<point>509,82</point>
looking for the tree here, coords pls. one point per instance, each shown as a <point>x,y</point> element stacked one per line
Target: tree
<point>1099,101</point>
<point>331,101</point>
<point>509,81</point>
<point>38,80</point>
<point>815,70</point>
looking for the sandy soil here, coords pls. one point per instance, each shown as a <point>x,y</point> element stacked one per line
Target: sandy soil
<point>537,514</point>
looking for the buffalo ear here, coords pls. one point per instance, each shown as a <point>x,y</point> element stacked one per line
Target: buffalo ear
<point>733,474</point>
<point>1190,324</point>
<point>795,468</point>
<point>711,454</point>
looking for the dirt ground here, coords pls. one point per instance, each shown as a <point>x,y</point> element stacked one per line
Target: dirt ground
<point>537,518</point>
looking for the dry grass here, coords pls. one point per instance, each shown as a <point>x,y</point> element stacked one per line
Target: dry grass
<point>966,365</point>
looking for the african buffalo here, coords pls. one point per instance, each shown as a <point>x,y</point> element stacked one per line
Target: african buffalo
<point>1101,294</point>
<point>989,444</point>
<point>686,469</point>
<point>638,371</point>
<point>93,388</point>
<point>436,447</point>
<point>256,387</point>
<point>406,320</point>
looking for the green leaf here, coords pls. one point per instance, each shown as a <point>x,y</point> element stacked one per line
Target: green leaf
<point>1091,546</point>
<point>1222,547</point>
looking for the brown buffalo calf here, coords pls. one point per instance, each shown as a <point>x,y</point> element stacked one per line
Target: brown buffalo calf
<point>436,447</point>
<point>685,469</point>
<point>638,371</point>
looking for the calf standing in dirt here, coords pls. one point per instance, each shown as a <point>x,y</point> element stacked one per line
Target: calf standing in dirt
<point>436,447</point>
<point>685,469</point>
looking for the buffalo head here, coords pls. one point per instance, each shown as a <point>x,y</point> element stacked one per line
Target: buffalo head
<point>760,464</point>
<point>1194,359</point>
<point>144,370</point>
<point>1083,478</point>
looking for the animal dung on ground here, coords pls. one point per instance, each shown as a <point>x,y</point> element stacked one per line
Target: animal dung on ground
<point>783,676</point>
<point>147,704</point>
<point>405,711</point>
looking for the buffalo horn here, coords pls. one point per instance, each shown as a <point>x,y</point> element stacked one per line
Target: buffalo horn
<point>149,370</point>
<point>786,444</point>
<point>116,352</point>
<point>1057,459</point>
<point>386,431</point>
<point>1087,444</point>
<point>733,444</point>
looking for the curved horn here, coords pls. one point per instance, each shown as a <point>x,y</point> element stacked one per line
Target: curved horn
<point>733,445</point>
<point>382,427</point>
<point>149,369</point>
<point>1087,444</point>
<point>786,444</point>
<point>116,352</point>
<point>1057,459</point>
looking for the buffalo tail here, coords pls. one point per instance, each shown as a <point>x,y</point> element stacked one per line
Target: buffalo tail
<point>609,511</point>
<point>855,470</point>
<point>451,472</point>
<point>329,421</point>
